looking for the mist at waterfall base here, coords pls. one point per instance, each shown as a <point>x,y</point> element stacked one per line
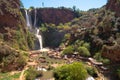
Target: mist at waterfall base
<point>35,30</point>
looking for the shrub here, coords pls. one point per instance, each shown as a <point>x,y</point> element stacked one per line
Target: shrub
<point>86,45</point>
<point>79,43</point>
<point>1,37</point>
<point>105,61</point>
<point>30,40</point>
<point>118,73</point>
<point>67,36</point>
<point>50,67</point>
<point>98,57</point>
<point>19,39</point>
<point>91,71</point>
<point>10,59</point>
<point>75,71</point>
<point>68,50</point>
<point>21,61</point>
<point>32,74</point>
<point>43,28</point>
<point>31,8</point>
<point>83,51</point>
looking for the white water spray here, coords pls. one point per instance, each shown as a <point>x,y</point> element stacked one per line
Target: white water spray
<point>40,39</point>
<point>28,19</point>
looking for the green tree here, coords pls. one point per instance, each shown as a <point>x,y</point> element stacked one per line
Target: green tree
<point>75,71</point>
<point>68,50</point>
<point>31,7</point>
<point>21,4</point>
<point>83,51</point>
<point>74,8</point>
<point>86,45</point>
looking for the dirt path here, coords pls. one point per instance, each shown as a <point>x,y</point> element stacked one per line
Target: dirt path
<point>22,74</point>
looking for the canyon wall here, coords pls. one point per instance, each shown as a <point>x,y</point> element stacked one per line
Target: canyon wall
<point>12,25</point>
<point>114,5</point>
<point>9,14</point>
<point>53,15</point>
<point>113,52</point>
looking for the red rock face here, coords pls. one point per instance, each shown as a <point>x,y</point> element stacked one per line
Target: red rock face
<point>114,5</point>
<point>52,15</point>
<point>9,14</point>
<point>112,52</point>
<point>11,23</point>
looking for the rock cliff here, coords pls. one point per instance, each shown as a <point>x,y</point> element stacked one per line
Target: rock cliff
<point>52,15</point>
<point>114,5</point>
<point>12,25</point>
<point>9,14</point>
<point>112,52</point>
<point>14,36</point>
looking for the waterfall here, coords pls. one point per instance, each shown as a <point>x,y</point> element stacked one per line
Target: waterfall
<point>29,24</point>
<point>35,18</point>
<point>37,32</point>
<point>28,19</point>
<point>39,38</point>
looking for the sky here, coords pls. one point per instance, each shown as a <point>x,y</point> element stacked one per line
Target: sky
<point>81,4</point>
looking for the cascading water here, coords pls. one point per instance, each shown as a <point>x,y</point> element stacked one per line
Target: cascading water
<point>35,18</point>
<point>40,39</point>
<point>29,24</point>
<point>28,19</point>
<point>37,32</point>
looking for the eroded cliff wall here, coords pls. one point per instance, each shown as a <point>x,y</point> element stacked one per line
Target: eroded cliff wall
<point>12,25</point>
<point>114,5</point>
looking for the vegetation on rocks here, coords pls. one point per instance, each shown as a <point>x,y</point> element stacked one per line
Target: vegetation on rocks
<point>92,71</point>
<point>15,39</point>
<point>94,33</point>
<point>11,59</point>
<point>68,50</point>
<point>32,74</point>
<point>118,73</point>
<point>75,71</point>
<point>13,29</point>
<point>83,51</point>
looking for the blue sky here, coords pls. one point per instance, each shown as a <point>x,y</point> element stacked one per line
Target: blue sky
<point>81,4</point>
